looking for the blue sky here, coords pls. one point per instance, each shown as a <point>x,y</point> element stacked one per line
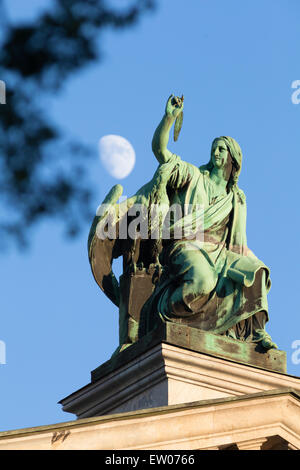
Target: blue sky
<point>235,63</point>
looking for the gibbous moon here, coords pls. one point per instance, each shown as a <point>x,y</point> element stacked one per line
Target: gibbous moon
<point>117,155</point>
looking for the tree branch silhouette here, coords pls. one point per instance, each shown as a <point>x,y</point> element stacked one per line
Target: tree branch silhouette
<point>38,179</point>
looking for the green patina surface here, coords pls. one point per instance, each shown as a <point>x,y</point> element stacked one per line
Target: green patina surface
<point>198,341</point>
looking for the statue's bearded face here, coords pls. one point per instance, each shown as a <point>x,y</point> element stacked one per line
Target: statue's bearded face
<point>219,154</point>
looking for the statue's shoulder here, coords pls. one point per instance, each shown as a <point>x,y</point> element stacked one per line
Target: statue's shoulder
<point>183,166</point>
<point>194,169</point>
<point>204,170</point>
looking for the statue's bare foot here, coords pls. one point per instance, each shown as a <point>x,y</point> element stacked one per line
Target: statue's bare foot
<point>267,343</point>
<point>265,339</point>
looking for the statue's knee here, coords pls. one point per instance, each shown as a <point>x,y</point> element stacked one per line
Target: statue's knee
<point>206,283</point>
<point>200,278</point>
<point>200,285</point>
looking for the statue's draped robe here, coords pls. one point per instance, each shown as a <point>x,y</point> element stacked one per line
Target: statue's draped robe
<point>242,280</point>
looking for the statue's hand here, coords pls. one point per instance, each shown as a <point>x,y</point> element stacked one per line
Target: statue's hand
<point>174,106</point>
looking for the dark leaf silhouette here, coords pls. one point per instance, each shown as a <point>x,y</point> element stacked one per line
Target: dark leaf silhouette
<point>43,174</point>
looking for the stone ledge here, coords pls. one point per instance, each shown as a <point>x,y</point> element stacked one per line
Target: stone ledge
<point>218,424</point>
<point>68,425</point>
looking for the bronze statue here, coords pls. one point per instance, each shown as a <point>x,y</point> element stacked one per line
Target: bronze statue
<point>206,277</point>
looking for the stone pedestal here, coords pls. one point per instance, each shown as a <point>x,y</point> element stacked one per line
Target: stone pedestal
<point>175,365</point>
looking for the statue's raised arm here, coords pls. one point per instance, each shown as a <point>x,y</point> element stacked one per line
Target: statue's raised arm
<point>160,139</point>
